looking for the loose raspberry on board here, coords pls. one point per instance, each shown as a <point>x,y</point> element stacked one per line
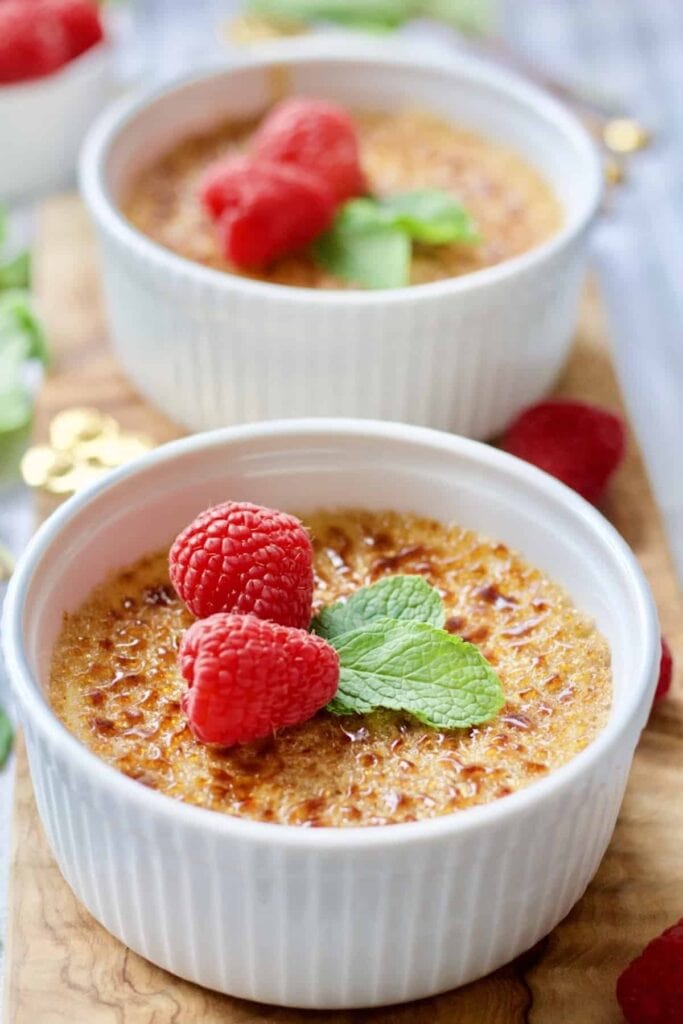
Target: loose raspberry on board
<point>650,990</point>
<point>580,444</point>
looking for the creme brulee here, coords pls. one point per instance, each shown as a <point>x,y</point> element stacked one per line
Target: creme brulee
<point>512,205</point>
<point>115,684</point>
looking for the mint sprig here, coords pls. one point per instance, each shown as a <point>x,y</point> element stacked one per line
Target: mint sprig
<point>370,241</point>
<point>393,654</point>
<point>6,737</point>
<point>438,678</point>
<point>22,341</point>
<point>473,17</point>
<point>394,597</point>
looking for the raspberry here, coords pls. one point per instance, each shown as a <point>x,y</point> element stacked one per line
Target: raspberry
<point>580,444</point>
<point>264,210</point>
<point>80,20</point>
<point>248,677</point>
<point>239,557</point>
<point>666,669</point>
<point>30,46</point>
<point>650,990</point>
<point>317,136</point>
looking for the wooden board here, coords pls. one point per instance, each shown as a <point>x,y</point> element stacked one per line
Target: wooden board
<point>63,968</point>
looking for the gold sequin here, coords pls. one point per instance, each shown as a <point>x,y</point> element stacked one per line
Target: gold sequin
<point>248,29</point>
<point>84,444</point>
<point>72,426</point>
<point>625,135</point>
<point>6,562</point>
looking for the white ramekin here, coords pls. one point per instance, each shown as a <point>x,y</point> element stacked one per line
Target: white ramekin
<point>43,123</point>
<point>466,354</point>
<point>328,917</point>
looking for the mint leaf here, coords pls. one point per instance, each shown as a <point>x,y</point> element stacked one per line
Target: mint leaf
<point>377,14</point>
<point>16,273</point>
<point>6,737</point>
<point>430,216</point>
<point>373,256</point>
<point>17,319</point>
<point>394,597</point>
<point>369,242</point>
<point>438,678</point>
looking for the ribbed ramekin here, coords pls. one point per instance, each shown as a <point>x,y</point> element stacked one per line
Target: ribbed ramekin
<point>328,917</point>
<point>466,354</point>
<point>43,123</point>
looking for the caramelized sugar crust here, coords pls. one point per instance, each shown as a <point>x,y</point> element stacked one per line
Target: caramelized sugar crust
<point>115,685</point>
<point>513,206</point>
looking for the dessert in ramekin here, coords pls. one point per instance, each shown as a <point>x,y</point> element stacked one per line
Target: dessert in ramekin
<point>464,353</point>
<point>329,917</point>
<point>55,77</point>
<point>117,685</point>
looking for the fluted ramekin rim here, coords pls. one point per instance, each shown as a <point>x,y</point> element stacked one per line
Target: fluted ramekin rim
<point>621,730</point>
<point>106,213</point>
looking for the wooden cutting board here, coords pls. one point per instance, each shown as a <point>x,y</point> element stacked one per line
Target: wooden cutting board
<point>63,968</point>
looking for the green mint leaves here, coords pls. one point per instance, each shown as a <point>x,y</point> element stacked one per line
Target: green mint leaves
<point>6,737</point>
<point>370,241</point>
<point>393,654</point>
<point>375,257</point>
<point>22,341</point>
<point>473,17</point>
<point>394,597</point>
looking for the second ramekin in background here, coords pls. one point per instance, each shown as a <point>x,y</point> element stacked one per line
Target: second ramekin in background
<point>466,354</point>
<point>43,123</point>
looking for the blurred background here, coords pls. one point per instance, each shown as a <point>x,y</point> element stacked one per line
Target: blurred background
<point>619,63</point>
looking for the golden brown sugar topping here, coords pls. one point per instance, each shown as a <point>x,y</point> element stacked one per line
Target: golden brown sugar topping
<point>116,686</point>
<point>512,205</point>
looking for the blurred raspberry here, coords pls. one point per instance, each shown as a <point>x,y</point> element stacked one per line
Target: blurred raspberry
<point>248,677</point>
<point>317,136</point>
<point>31,46</point>
<point>264,210</point>
<point>666,668</point>
<point>650,990</point>
<point>580,444</point>
<point>80,19</point>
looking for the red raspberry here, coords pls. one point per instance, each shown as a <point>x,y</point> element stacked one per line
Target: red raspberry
<point>239,557</point>
<point>264,210</point>
<point>79,18</point>
<point>30,46</point>
<point>650,990</point>
<point>580,444</point>
<point>248,677</point>
<point>317,136</point>
<point>666,669</point>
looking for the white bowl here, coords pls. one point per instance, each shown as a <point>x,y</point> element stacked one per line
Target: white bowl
<point>465,354</point>
<point>328,917</point>
<point>43,123</point>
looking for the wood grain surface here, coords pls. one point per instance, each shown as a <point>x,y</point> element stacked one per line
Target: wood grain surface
<point>63,968</point>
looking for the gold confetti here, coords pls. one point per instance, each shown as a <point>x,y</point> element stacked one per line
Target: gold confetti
<point>6,562</point>
<point>72,426</point>
<point>84,444</point>
<point>109,452</point>
<point>625,135</point>
<point>248,29</point>
<point>614,172</point>
<point>41,463</point>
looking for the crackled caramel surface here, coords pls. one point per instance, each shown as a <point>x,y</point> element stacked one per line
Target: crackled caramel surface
<point>116,687</point>
<point>513,206</point>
